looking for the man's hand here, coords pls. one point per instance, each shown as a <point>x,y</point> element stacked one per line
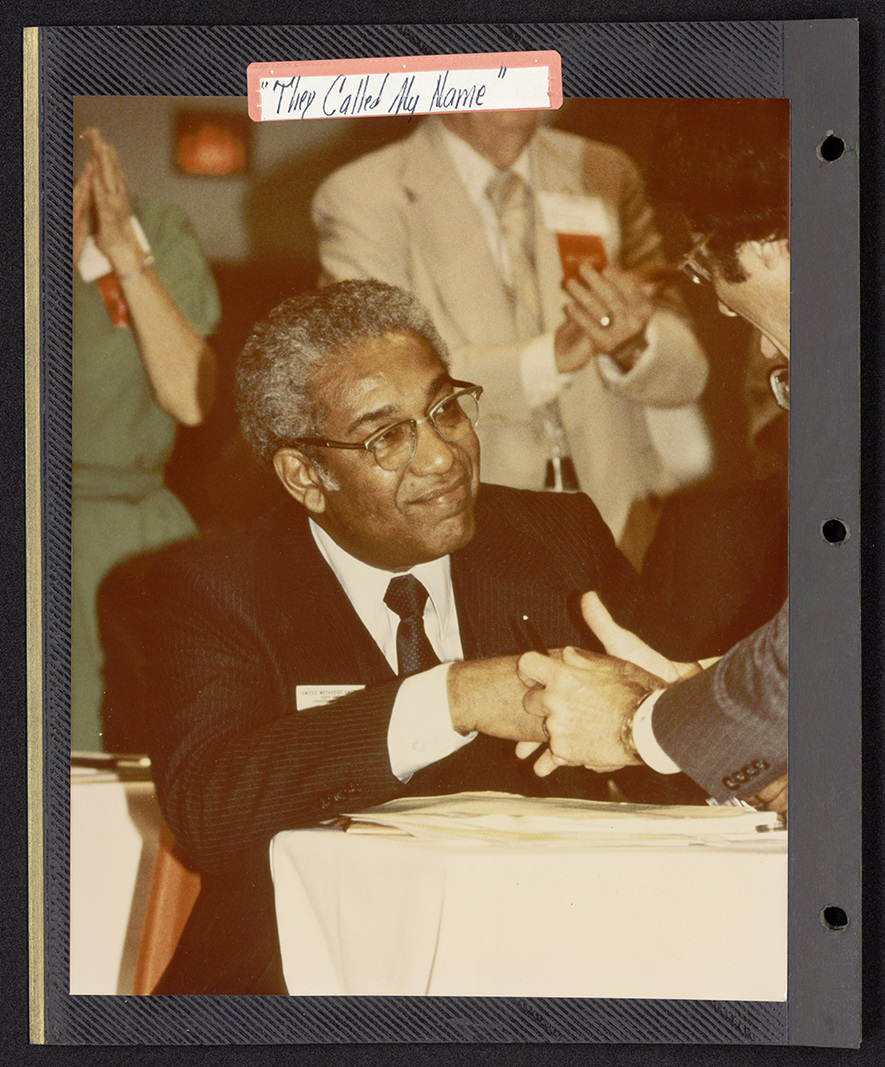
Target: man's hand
<point>583,701</point>
<point>486,695</point>
<point>773,797</point>
<point>612,308</point>
<point>626,645</point>
<point>572,348</point>
<point>628,650</point>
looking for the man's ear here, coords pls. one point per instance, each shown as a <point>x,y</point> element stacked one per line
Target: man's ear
<point>300,479</point>
<point>772,254</point>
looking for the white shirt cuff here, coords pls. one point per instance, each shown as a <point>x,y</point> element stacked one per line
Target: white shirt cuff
<point>420,730</point>
<point>541,381</point>
<point>647,746</point>
<point>612,373</point>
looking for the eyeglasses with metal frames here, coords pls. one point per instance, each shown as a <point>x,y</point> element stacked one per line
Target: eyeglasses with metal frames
<point>453,418</point>
<point>779,380</point>
<point>779,377</point>
<point>689,264</point>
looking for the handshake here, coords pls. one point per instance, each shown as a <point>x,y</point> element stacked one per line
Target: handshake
<point>587,700</point>
<point>576,707</point>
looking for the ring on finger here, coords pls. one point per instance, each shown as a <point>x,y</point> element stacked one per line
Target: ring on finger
<point>605,321</point>
<point>544,729</point>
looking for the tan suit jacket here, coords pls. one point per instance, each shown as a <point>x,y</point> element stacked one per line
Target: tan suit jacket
<point>402,215</point>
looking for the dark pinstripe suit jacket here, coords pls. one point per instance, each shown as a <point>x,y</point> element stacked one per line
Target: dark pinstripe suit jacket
<point>236,625</point>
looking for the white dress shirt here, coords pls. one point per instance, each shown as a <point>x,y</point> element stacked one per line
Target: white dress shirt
<point>650,752</point>
<point>420,730</point>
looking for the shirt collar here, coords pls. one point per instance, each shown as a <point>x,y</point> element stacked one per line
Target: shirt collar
<point>366,585</point>
<point>474,170</point>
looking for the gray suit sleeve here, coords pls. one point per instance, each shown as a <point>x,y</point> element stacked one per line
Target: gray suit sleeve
<point>727,727</point>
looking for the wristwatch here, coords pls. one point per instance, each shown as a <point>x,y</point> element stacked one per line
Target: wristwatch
<point>627,727</point>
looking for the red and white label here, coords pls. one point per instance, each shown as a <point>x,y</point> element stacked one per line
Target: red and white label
<point>405,85</point>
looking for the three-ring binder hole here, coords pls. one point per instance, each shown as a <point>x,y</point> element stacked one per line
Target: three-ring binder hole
<point>833,918</point>
<point>831,148</point>
<point>834,531</point>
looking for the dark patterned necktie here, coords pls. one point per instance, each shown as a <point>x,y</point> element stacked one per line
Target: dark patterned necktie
<point>406,597</point>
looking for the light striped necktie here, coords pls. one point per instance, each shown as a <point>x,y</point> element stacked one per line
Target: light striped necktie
<point>512,201</point>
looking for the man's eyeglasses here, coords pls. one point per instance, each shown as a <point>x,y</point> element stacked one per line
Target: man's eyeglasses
<point>779,379</point>
<point>453,418</point>
<point>691,265</point>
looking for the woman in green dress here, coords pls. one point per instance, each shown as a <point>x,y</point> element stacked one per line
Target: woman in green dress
<point>141,366</point>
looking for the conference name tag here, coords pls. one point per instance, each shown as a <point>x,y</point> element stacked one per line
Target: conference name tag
<point>314,696</point>
<point>567,213</point>
<point>585,230</point>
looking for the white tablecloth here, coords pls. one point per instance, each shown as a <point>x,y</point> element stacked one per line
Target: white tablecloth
<point>114,832</point>
<point>360,914</point>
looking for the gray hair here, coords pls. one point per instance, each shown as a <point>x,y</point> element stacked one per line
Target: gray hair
<point>276,369</point>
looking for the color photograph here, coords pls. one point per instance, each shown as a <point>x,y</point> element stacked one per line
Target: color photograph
<point>431,538</point>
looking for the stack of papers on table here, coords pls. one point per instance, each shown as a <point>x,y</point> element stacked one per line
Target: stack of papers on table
<point>109,767</point>
<point>505,818</point>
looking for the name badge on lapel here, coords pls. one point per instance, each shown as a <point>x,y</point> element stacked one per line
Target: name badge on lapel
<point>584,228</point>
<point>314,696</point>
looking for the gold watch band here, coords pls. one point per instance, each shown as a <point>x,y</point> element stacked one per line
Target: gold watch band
<point>627,727</point>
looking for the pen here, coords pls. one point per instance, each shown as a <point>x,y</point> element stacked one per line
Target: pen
<point>527,637</point>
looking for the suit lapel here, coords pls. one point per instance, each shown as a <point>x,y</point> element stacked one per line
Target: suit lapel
<point>491,593</point>
<point>448,230</point>
<point>322,628</point>
<point>485,614</point>
<point>550,173</point>
<point>502,575</point>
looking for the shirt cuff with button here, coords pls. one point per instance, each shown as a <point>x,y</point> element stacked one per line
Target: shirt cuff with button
<point>541,381</point>
<point>420,730</point>
<point>650,752</point>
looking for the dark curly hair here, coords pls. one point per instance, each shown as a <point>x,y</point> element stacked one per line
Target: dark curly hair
<point>725,165</point>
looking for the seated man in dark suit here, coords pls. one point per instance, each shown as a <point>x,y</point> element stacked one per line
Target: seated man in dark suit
<point>360,642</point>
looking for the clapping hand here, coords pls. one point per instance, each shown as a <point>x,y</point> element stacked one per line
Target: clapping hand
<point>106,180</point>
<point>608,314</point>
<point>82,208</point>
<point>179,364</point>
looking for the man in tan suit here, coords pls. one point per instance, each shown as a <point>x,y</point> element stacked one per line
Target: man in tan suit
<point>423,213</point>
